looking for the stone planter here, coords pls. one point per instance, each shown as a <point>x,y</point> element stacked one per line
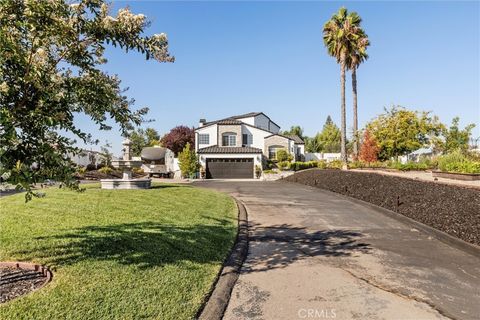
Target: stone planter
<point>456,176</point>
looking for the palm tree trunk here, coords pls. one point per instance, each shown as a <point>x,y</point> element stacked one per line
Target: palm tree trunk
<point>343,147</point>
<point>355,115</point>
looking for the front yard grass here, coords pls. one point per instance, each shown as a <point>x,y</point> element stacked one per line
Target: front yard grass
<point>118,254</point>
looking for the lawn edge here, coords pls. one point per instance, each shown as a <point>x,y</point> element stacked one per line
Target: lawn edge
<point>444,237</point>
<point>217,300</point>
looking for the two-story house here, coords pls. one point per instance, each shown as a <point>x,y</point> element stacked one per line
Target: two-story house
<point>232,147</point>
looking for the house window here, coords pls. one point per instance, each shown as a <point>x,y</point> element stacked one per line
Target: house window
<point>204,138</point>
<point>272,152</point>
<point>247,139</point>
<point>229,139</point>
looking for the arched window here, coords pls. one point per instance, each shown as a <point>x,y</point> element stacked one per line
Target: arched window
<point>229,139</point>
<point>272,151</point>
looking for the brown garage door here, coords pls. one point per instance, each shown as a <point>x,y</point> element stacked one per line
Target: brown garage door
<point>226,168</point>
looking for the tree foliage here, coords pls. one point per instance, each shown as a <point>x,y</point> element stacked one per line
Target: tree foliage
<point>143,138</point>
<point>178,138</point>
<point>328,140</point>
<point>294,131</point>
<point>188,161</point>
<point>399,131</point>
<point>455,138</point>
<point>369,148</point>
<point>50,58</point>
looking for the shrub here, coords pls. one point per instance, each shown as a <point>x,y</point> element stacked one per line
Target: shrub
<point>269,171</point>
<point>284,165</point>
<point>91,167</point>
<point>270,164</point>
<point>81,170</point>
<point>258,171</point>
<point>283,155</point>
<point>357,165</point>
<point>138,170</point>
<point>322,164</point>
<point>105,170</point>
<point>335,164</point>
<point>297,166</point>
<point>188,162</point>
<point>456,161</point>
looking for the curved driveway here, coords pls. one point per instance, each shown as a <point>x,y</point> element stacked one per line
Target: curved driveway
<point>317,255</point>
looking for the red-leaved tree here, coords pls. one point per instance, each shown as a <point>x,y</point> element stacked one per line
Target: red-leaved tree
<point>178,138</point>
<point>369,150</point>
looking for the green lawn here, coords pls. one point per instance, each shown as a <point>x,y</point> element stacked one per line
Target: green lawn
<point>118,254</point>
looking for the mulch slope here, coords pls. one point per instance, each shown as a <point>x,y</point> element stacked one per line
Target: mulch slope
<point>451,209</point>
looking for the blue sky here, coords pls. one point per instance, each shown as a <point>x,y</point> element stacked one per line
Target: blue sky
<point>237,57</point>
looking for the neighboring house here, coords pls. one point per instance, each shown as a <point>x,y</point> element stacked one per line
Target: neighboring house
<point>86,157</point>
<point>232,147</point>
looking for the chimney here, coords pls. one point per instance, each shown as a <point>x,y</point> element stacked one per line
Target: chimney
<point>201,122</point>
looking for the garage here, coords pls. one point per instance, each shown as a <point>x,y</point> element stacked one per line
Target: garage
<point>229,168</point>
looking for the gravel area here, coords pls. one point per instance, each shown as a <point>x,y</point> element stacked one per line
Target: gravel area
<point>452,209</point>
<point>16,282</point>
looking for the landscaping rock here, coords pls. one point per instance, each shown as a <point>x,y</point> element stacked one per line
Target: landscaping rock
<point>451,209</point>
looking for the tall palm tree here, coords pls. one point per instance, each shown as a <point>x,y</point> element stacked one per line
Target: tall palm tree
<point>340,34</point>
<point>357,56</point>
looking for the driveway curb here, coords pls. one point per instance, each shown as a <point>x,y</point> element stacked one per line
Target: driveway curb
<point>217,302</point>
<point>440,235</point>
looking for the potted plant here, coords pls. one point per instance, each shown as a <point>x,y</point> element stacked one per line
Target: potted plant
<point>258,171</point>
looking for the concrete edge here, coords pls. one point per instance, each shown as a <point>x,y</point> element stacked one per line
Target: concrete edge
<point>216,302</point>
<point>439,235</point>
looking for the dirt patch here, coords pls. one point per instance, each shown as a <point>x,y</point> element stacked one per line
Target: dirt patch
<point>451,209</point>
<point>19,279</point>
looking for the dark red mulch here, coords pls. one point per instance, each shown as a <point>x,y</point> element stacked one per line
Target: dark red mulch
<point>16,282</point>
<point>451,209</point>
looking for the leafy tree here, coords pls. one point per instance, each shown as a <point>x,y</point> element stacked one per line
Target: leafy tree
<point>328,140</point>
<point>456,138</point>
<point>330,137</point>
<point>294,131</point>
<point>51,54</point>
<point>143,138</point>
<point>188,161</point>
<point>369,149</point>
<point>357,56</point>
<point>311,144</point>
<point>178,138</point>
<point>339,33</point>
<point>399,131</point>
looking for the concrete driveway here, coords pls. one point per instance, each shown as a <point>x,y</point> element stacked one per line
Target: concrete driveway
<point>317,255</point>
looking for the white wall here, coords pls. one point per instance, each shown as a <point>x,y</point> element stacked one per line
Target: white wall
<point>211,131</point>
<point>322,156</point>
<point>249,120</point>
<point>258,136</point>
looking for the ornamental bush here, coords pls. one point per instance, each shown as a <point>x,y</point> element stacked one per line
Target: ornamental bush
<point>457,162</point>
<point>283,155</point>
